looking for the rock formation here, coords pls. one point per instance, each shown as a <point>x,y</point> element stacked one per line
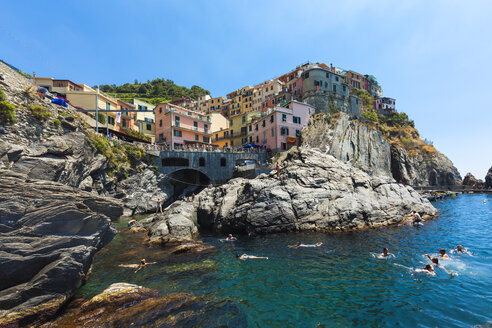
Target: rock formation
<point>315,191</point>
<point>48,235</point>
<point>366,148</point>
<point>488,179</point>
<point>473,182</point>
<point>127,305</point>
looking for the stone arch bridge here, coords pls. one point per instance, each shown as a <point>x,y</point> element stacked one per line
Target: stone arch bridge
<point>217,166</point>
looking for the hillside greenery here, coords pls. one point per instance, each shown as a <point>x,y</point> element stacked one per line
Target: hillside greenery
<point>154,92</point>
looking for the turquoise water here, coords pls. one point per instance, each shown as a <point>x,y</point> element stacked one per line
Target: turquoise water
<point>339,284</point>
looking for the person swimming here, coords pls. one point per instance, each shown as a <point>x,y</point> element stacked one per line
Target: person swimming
<point>231,238</point>
<point>131,222</point>
<point>299,244</point>
<point>460,249</point>
<point>246,257</point>
<point>443,254</point>
<point>141,266</point>
<point>435,262</point>
<point>385,254</point>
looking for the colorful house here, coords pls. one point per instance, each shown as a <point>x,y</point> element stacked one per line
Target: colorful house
<point>385,105</point>
<point>280,128</point>
<point>180,127</point>
<point>126,118</point>
<point>145,118</point>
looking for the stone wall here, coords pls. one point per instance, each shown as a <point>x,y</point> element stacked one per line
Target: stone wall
<point>322,99</point>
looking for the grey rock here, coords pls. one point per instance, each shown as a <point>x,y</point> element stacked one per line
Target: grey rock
<point>175,225</point>
<point>48,235</point>
<point>315,192</point>
<point>488,179</point>
<point>470,181</point>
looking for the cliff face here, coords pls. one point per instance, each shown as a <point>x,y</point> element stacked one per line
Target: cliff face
<point>366,148</point>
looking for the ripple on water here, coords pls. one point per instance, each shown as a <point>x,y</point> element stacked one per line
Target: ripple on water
<point>338,284</point>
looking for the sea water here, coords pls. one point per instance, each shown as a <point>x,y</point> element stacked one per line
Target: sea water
<point>340,284</point>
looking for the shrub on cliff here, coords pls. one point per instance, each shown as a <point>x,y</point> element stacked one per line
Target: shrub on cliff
<point>370,116</point>
<point>7,112</point>
<point>39,112</point>
<point>2,95</point>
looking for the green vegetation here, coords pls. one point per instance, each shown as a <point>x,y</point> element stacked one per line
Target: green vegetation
<point>25,74</point>
<point>7,112</point>
<point>122,157</point>
<point>101,118</point>
<point>399,131</point>
<point>366,100</point>
<point>370,115</point>
<point>333,108</point>
<point>39,112</point>
<point>137,134</point>
<point>56,122</point>
<point>154,92</point>
<point>2,95</point>
<point>65,114</point>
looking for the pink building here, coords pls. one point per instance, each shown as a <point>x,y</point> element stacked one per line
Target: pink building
<point>178,127</point>
<point>279,129</point>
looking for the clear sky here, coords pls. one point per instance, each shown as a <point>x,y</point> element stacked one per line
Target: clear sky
<point>434,57</point>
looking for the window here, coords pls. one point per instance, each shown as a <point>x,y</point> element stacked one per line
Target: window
<point>306,75</point>
<point>123,123</point>
<point>296,119</point>
<point>216,136</point>
<point>250,128</point>
<point>176,120</point>
<point>294,85</point>
<point>284,131</point>
<point>161,137</point>
<point>160,110</point>
<point>271,119</point>
<point>264,136</point>
<point>230,122</point>
<point>344,88</point>
<point>273,132</point>
<point>160,122</point>
<point>284,117</point>
<point>206,139</point>
<point>177,133</point>
<point>201,161</point>
<point>223,161</point>
<point>284,146</point>
<point>149,127</point>
<point>334,88</point>
<point>263,123</point>
<point>251,139</point>
<point>205,128</point>
<point>257,139</point>
<point>327,75</point>
<point>195,125</point>
<point>196,137</point>
<point>244,118</point>
<point>336,78</point>
<point>298,133</point>
<point>256,127</point>
<point>110,120</point>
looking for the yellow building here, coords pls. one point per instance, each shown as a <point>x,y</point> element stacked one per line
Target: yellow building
<point>218,127</point>
<point>215,105</point>
<point>145,118</point>
<point>247,99</point>
<point>89,98</point>
<point>238,128</point>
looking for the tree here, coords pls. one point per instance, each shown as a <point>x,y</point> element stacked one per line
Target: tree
<point>142,89</point>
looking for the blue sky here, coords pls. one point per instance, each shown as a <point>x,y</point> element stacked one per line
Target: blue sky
<point>434,57</point>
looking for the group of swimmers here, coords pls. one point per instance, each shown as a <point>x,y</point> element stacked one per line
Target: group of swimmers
<point>429,268</point>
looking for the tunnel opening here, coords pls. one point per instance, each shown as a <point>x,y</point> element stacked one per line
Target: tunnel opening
<point>186,182</point>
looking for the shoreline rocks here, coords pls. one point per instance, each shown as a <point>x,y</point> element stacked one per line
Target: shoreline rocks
<point>49,233</point>
<point>470,181</point>
<point>314,191</point>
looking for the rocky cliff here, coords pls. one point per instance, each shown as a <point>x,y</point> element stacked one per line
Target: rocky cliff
<point>368,148</point>
<point>53,143</point>
<point>471,181</point>
<point>48,235</point>
<point>488,179</point>
<point>314,191</point>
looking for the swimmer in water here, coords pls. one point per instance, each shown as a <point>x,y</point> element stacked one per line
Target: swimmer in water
<point>429,269</point>
<point>246,256</point>
<point>443,254</point>
<point>417,219</point>
<point>299,244</point>
<point>385,254</point>
<point>460,249</point>
<point>231,238</point>
<point>143,264</point>
<point>435,262</point>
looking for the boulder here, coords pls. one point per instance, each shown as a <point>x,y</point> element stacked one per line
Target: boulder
<point>315,191</point>
<point>470,181</point>
<point>488,179</point>
<point>48,235</point>
<point>174,226</point>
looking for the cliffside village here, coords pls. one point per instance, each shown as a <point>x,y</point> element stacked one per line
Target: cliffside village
<point>269,115</point>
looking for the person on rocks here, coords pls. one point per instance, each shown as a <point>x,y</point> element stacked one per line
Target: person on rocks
<point>460,249</point>
<point>231,238</point>
<point>131,222</point>
<point>278,171</point>
<point>246,257</point>
<point>159,206</point>
<point>299,244</point>
<point>417,219</point>
<point>385,254</point>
